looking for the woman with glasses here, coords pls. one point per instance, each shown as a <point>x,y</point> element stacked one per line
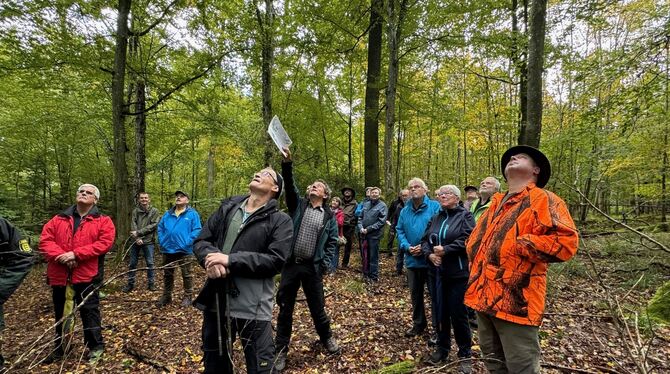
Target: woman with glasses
<point>443,244</point>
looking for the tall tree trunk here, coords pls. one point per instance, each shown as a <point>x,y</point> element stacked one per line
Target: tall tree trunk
<point>266,25</point>
<point>122,200</point>
<point>664,172</point>
<point>350,161</point>
<point>211,167</point>
<point>538,13</point>
<point>519,54</point>
<point>140,136</point>
<point>394,33</point>
<point>372,95</point>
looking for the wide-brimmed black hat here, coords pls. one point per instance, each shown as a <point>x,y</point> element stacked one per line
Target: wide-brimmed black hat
<point>353,192</point>
<point>470,188</point>
<point>540,160</point>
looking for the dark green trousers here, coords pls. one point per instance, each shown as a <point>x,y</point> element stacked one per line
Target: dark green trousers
<point>508,347</point>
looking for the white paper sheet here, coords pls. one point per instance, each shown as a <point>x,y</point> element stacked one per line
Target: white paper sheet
<point>279,135</point>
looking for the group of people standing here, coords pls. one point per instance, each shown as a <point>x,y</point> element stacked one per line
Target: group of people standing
<point>490,255</point>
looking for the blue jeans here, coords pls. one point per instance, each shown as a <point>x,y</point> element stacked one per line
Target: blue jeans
<point>148,253</point>
<point>336,258</point>
<point>373,259</point>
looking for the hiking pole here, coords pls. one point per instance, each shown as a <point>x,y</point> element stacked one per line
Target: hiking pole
<point>218,322</point>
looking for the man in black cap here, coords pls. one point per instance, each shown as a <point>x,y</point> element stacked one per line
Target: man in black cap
<point>509,250</point>
<point>349,229</point>
<point>242,247</point>
<point>177,230</point>
<point>470,196</point>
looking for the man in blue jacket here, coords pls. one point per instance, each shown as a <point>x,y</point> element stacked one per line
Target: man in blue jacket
<point>370,227</point>
<point>176,232</point>
<point>412,223</point>
<point>312,249</point>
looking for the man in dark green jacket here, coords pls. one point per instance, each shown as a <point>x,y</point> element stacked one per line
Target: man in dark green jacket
<point>16,258</point>
<point>143,229</point>
<point>313,247</point>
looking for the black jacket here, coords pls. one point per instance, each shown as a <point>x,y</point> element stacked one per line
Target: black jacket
<point>260,249</point>
<point>16,258</point>
<point>449,228</point>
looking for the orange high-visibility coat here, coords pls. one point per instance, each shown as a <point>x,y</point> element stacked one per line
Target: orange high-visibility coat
<point>509,251</point>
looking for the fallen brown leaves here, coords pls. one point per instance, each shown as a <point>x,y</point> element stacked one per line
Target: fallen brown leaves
<point>368,321</point>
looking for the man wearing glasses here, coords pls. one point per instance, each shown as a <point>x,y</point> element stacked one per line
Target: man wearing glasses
<point>242,247</point>
<point>71,242</point>
<point>313,247</point>
<point>177,230</point>
<point>412,223</point>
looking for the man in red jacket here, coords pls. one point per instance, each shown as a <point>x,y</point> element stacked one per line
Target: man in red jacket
<point>71,242</point>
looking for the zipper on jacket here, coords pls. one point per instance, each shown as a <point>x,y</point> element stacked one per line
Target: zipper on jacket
<point>460,263</point>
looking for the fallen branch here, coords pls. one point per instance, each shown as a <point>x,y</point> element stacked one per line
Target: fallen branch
<point>568,369</point>
<point>146,359</point>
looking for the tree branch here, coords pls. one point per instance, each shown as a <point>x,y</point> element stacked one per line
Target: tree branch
<point>155,23</point>
<point>179,86</point>
<point>641,234</point>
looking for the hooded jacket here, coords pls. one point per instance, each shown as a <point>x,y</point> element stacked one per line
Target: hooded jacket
<point>411,227</point>
<point>94,237</point>
<point>262,245</point>
<point>177,233</point>
<point>510,249</point>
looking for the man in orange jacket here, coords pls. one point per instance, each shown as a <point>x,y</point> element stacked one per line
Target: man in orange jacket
<point>510,248</point>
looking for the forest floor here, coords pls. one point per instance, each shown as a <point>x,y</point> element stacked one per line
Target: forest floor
<point>578,334</point>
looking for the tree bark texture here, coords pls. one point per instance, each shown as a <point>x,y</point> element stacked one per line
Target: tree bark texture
<point>122,201</point>
<point>538,12</point>
<point>371,142</point>
<point>266,24</point>
<point>394,32</point>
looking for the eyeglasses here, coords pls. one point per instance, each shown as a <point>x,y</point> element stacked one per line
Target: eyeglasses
<point>441,194</point>
<point>266,173</point>
<point>417,186</point>
<point>86,192</point>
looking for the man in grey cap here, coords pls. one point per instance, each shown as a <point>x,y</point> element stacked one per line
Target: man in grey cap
<point>177,230</point>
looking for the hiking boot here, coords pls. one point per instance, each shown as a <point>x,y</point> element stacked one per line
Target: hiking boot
<point>55,356</point>
<point>152,287</point>
<point>95,356</point>
<point>432,340</point>
<point>280,360</point>
<point>127,288</point>
<point>438,357</point>
<point>465,366</point>
<point>164,300</point>
<point>331,345</point>
<point>414,331</point>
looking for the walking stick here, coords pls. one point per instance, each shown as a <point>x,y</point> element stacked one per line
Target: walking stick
<point>68,307</point>
<point>218,323</point>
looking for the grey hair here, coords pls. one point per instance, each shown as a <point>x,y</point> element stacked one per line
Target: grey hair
<point>328,190</point>
<point>497,183</point>
<point>451,188</point>
<point>417,180</point>
<point>96,191</point>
